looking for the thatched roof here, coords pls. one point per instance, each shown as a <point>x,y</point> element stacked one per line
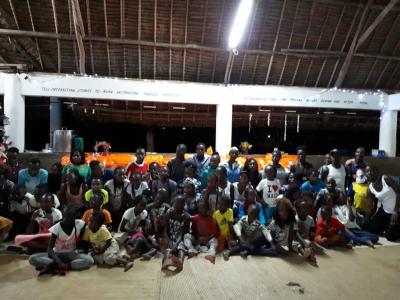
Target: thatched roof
<point>302,43</point>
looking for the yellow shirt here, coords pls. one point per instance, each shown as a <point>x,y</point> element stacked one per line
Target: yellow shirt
<point>98,238</point>
<point>223,221</point>
<point>360,196</point>
<point>89,195</point>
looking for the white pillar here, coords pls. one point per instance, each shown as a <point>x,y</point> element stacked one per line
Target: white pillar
<point>388,131</point>
<point>14,109</point>
<point>223,128</point>
<point>55,116</point>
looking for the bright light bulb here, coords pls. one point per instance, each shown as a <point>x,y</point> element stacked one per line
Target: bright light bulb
<point>240,22</point>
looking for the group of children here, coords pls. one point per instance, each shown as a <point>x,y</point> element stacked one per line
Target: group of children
<point>191,206</point>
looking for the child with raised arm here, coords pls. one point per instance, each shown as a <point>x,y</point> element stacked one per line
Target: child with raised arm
<point>61,253</point>
<point>37,235</point>
<point>104,249</point>
<point>204,234</point>
<point>177,223</point>
<point>224,219</point>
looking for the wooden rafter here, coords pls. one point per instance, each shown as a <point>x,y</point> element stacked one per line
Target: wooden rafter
<point>33,29</point>
<point>140,38</point>
<point>185,40</point>
<point>318,43</point>
<point>290,41</point>
<point>202,39</point>
<point>171,12</point>
<point>271,59</point>
<point>218,34</point>
<point>358,41</point>
<point>14,14</point>
<point>331,44</point>
<point>71,30</point>
<point>122,17</point>
<point>53,4</point>
<point>106,31</point>
<point>89,25</point>
<point>397,68</point>
<point>155,41</point>
<point>304,42</point>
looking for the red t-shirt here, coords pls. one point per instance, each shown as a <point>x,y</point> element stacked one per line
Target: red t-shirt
<point>134,167</point>
<point>328,230</point>
<point>204,226</point>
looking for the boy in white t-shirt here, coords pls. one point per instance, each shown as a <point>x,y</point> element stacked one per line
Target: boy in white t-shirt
<point>61,253</point>
<point>268,190</point>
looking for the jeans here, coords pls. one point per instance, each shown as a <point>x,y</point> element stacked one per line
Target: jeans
<point>359,237</point>
<point>77,261</point>
<point>259,247</point>
<point>381,222</point>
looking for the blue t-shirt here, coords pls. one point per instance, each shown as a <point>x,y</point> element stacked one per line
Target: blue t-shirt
<point>234,172</point>
<point>107,175</point>
<point>306,186</point>
<point>31,182</point>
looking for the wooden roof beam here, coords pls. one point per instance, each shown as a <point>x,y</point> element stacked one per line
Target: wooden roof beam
<point>122,17</point>
<point>155,41</point>
<point>357,41</point>
<point>185,40</point>
<point>79,33</point>
<point>106,31</point>
<point>89,26</point>
<point>140,38</point>
<point>218,34</point>
<point>53,4</point>
<point>171,13</point>
<point>202,39</point>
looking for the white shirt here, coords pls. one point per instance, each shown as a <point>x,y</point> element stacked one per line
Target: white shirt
<point>303,227</point>
<point>115,194</point>
<point>130,217</point>
<point>386,197</point>
<point>237,195</point>
<point>36,204</point>
<point>339,175</point>
<point>342,213</point>
<point>66,243</point>
<point>137,192</point>
<point>270,190</point>
<point>25,206</point>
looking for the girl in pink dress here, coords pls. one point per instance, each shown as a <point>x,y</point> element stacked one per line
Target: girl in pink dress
<point>41,220</point>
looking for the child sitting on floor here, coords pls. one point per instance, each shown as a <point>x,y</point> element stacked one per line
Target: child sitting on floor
<point>212,192</point>
<point>42,219</point>
<point>281,227</point>
<point>97,188</point>
<point>61,253</point>
<point>204,234</point>
<point>157,211</point>
<point>346,214</point>
<point>135,188</point>
<point>253,236</point>
<point>177,223</point>
<point>96,202</point>
<point>224,219</point>
<point>250,199</point>
<point>268,190</point>
<point>104,249</point>
<point>329,231</point>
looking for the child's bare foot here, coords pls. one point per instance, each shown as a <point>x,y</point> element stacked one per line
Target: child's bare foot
<point>145,257</point>
<point>191,254</point>
<point>210,258</point>
<point>349,245</point>
<point>128,266</point>
<point>225,254</point>
<point>244,254</point>
<point>178,263</point>
<point>370,244</point>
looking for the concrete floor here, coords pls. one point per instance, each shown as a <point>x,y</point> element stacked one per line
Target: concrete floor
<point>362,273</point>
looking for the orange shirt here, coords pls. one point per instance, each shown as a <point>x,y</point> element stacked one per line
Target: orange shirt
<point>86,216</point>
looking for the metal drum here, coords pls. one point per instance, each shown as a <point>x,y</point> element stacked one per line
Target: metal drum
<point>62,140</point>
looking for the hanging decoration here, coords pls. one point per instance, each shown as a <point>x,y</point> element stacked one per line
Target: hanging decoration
<point>250,118</point>
<point>269,119</point>
<point>298,123</point>
<point>284,133</point>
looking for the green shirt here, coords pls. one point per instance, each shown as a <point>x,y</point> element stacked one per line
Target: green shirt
<point>204,176</point>
<point>84,170</point>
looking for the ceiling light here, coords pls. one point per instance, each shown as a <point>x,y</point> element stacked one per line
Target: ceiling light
<point>102,104</point>
<point>239,24</point>
<point>178,108</point>
<point>290,111</point>
<point>351,113</point>
<point>183,128</point>
<point>328,112</point>
<point>150,106</point>
<point>261,109</point>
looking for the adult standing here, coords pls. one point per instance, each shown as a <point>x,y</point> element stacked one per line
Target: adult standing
<point>232,166</point>
<point>336,169</point>
<point>176,166</point>
<point>139,165</point>
<point>386,192</point>
<point>354,164</point>
<point>12,162</point>
<point>303,168</point>
<point>200,159</point>
<point>281,173</point>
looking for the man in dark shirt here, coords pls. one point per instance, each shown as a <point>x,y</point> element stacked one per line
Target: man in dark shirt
<point>176,166</point>
<point>302,168</point>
